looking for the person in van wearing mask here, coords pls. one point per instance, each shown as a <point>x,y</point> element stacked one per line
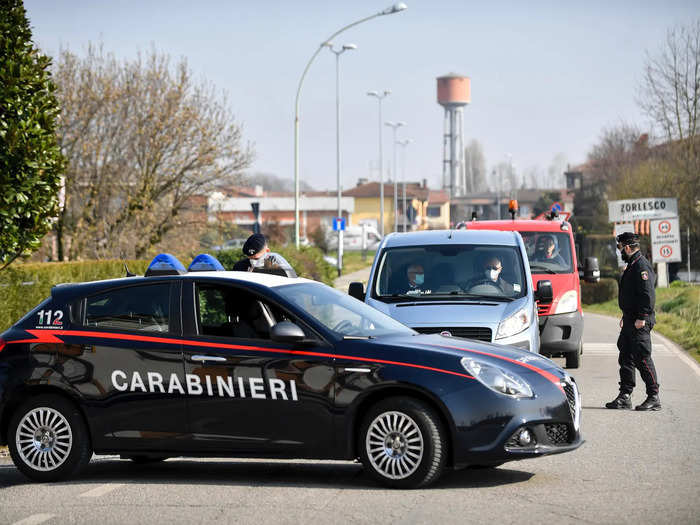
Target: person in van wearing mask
<point>491,268</point>
<point>415,279</point>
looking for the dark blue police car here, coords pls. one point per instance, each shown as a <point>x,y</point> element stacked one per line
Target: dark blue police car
<point>215,363</point>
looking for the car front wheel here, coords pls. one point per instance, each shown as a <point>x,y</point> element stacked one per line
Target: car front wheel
<point>48,439</point>
<point>403,443</point>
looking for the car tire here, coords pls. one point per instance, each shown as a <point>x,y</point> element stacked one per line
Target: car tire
<point>573,359</point>
<point>48,438</point>
<point>402,443</point>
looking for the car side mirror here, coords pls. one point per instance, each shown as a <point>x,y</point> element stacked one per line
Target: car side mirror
<point>287,332</point>
<point>544,293</point>
<point>357,290</point>
<point>591,270</point>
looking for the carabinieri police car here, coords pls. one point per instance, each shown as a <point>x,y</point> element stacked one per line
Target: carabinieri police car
<point>217,363</point>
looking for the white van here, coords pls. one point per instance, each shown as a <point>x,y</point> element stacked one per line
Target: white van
<point>352,238</point>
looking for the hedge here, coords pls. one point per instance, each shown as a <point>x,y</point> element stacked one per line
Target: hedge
<point>23,286</point>
<point>604,290</point>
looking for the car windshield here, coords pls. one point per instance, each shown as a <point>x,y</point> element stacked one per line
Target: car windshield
<point>450,272</point>
<point>548,252</point>
<point>344,315</point>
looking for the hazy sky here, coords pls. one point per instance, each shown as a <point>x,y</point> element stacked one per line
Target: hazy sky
<point>546,77</point>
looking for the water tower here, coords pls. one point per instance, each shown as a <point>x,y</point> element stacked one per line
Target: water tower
<point>454,92</point>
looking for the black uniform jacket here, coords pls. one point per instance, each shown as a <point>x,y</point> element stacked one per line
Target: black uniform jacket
<point>637,295</point>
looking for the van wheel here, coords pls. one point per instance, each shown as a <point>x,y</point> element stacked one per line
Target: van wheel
<point>402,443</point>
<point>48,439</point>
<point>573,359</point>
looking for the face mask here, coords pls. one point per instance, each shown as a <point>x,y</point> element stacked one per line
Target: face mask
<point>257,263</point>
<point>420,278</point>
<point>492,274</point>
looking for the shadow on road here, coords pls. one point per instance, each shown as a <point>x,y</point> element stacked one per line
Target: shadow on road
<point>350,476</point>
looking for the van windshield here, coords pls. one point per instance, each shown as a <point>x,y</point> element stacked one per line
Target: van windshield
<point>450,272</point>
<point>548,252</point>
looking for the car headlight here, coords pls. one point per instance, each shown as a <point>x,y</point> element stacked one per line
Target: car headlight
<point>567,303</point>
<point>496,378</point>
<point>514,324</point>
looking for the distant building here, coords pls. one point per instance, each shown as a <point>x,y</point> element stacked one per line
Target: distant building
<point>423,208</point>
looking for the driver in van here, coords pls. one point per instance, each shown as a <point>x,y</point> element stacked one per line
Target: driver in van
<point>492,267</point>
<point>545,251</point>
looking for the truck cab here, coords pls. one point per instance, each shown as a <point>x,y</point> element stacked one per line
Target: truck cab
<point>550,248</point>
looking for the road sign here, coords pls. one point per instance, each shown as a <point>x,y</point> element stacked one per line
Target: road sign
<point>640,209</point>
<point>556,207</point>
<point>338,223</point>
<point>665,241</point>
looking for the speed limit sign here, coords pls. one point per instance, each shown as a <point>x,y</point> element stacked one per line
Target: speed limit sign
<point>665,240</point>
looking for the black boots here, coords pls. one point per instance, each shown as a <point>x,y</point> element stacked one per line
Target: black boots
<point>622,401</point>
<point>652,402</point>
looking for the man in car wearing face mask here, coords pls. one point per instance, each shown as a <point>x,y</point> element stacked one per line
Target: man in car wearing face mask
<point>636,300</point>
<point>415,276</point>
<point>545,251</point>
<point>256,252</point>
<point>491,268</point>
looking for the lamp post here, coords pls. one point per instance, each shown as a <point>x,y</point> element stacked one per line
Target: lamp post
<point>388,11</point>
<point>395,126</point>
<point>380,97</point>
<point>337,53</point>
<point>403,144</point>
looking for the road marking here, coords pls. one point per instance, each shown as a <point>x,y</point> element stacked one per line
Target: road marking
<point>611,349</point>
<point>34,519</point>
<point>101,490</point>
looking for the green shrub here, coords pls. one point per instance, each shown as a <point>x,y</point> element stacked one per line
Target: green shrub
<point>23,286</point>
<point>604,290</point>
<point>679,284</point>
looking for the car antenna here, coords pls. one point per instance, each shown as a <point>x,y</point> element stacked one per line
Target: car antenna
<point>126,268</point>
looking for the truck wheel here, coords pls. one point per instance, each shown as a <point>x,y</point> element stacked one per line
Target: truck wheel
<point>403,443</point>
<point>573,359</point>
<point>48,438</point>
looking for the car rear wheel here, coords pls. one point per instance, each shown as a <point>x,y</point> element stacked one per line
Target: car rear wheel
<point>573,359</point>
<point>403,443</point>
<point>48,439</point>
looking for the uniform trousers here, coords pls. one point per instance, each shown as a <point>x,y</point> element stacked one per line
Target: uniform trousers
<point>634,345</point>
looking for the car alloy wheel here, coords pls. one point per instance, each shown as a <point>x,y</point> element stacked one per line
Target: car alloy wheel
<point>48,438</point>
<point>394,445</point>
<point>43,439</point>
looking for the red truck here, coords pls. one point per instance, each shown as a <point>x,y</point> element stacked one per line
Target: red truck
<point>552,255</point>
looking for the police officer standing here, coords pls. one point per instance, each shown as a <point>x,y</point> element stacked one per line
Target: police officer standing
<point>255,250</point>
<point>636,300</point>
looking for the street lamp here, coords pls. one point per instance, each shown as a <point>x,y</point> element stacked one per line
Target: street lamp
<point>388,11</point>
<point>337,53</point>
<point>395,126</point>
<point>404,143</point>
<point>380,96</point>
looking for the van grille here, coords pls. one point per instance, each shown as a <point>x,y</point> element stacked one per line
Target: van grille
<point>479,333</point>
<point>543,309</point>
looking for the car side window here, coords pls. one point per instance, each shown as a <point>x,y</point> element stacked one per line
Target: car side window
<point>144,308</point>
<point>231,312</point>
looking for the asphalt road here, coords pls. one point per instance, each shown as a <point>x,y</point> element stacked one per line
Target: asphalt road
<point>634,468</point>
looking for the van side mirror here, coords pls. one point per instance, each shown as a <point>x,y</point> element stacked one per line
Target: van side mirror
<point>591,270</point>
<point>287,332</point>
<point>357,290</point>
<point>544,293</point>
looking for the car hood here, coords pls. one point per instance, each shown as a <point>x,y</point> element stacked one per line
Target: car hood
<point>508,357</point>
<point>448,313</point>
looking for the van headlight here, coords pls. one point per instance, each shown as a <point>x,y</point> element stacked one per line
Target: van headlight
<point>496,378</point>
<point>567,303</point>
<point>514,324</point>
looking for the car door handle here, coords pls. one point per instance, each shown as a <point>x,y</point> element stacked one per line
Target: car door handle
<point>202,358</point>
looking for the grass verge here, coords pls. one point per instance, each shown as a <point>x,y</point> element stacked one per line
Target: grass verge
<point>677,315</point>
<point>353,261</point>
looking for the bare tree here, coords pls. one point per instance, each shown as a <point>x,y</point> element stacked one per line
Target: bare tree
<point>142,141</point>
<point>475,167</point>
